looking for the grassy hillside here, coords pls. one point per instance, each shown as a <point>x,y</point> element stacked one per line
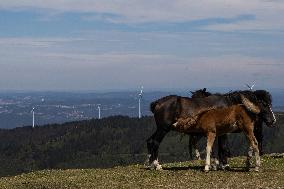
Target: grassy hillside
<point>109,142</point>
<point>174,175</point>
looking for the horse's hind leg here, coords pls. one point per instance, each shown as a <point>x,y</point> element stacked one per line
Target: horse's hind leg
<point>190,145</point>
<point>210,141</point>
<point>153,144</point>
<point>214,157</point>
<point>193,139</point>
<point>223,151</point>
<point>150,144</point>
<point>258,135</point>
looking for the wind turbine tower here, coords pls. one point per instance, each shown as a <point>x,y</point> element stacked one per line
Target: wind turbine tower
<point>139,102</point>
<point>99,109</point>
<point>33,112</point>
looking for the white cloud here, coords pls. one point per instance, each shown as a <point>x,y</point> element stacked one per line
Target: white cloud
<point>34,42</point>
<point>74,63</point>
<point>62,70</point>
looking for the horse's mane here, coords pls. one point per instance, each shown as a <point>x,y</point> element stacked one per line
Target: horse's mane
<point>232,97</point>
<point>159,101</point>
<point>235,96</point>
<point>253,96</point>
<point>263,95</point>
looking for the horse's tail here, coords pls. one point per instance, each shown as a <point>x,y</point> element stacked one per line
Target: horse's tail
<point>153,106</point>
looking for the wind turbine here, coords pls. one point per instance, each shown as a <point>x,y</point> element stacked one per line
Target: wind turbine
<point>250,87</point>
<point>139,102</point>
<point>99,109</point>
<point>33,112</point>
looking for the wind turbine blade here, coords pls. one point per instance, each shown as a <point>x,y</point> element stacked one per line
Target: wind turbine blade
<point>141,91</point>
<point>250,87</point>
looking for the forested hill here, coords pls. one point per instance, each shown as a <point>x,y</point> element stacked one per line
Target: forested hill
<point>111,141</point>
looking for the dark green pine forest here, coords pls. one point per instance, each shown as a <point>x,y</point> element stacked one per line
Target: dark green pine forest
<point>108,142</point>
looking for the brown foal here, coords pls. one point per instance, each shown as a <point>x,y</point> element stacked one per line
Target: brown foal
<point>219,121</point>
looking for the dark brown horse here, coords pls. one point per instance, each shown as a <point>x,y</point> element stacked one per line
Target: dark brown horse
<point>223,149</point>
<point>169,109</point>
<point>219,121</point>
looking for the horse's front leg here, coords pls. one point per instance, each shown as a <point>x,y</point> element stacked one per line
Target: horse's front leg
<point>210,141</point>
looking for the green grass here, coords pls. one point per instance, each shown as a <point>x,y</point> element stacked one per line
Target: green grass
<point>174,175</point>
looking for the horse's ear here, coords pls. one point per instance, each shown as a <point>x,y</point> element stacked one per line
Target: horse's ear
<point>204,89</point>
<point>249,105</point>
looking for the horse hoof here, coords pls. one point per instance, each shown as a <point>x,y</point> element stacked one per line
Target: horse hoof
<point>206,169</point>
<point>147,161</point>
<point>156,166</point>
<point>214,167</point>
<point>159,168</point>
<point>225,167</point>
<point>147,165</point>
<point>198,158</point>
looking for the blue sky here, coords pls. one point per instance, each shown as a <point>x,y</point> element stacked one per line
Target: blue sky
<point>121,45</point>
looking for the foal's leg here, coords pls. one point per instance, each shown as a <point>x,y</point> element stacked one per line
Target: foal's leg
<point>249,156</point>
<point>254,146</point>
<point>210,141</point>
<point>153,144</point>
<point>256,152</point>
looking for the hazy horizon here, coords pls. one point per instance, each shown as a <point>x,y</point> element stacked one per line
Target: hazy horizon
<point>60,107</point>
<point>212,89</point>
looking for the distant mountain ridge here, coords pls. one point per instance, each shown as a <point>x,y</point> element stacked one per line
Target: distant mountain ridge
<point>60,107</point>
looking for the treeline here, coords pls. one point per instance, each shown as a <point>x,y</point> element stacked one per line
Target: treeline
<point>107,142</point>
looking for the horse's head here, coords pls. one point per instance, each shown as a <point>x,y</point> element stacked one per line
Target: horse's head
<point>264,103</point>
<point>201,93</point>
